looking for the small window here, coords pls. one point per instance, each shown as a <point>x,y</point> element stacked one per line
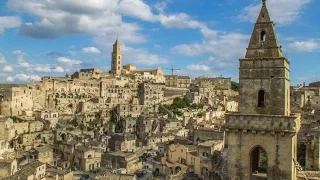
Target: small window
<point>261,98</point>
<point>263,36</point>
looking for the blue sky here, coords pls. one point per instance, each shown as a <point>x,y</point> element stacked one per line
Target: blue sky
<point>201,37</point>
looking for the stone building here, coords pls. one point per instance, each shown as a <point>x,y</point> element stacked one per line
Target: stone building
<point>177,81</point>
<point>130,110</point>
<point>8,167</point>
<point>178,159</point>
<point>206,151</point>
<point>15,98</point>
<point>129,67</point>
<point>148,75</point>
<point>45,154</point>
<point>126,160</point>
<point>212,86</point>
<point>261,138</point>
<point>201,135</point>
<point>86,159</point>
<point>151,94</point>
<point>5,147</point>
<point>54,174</point>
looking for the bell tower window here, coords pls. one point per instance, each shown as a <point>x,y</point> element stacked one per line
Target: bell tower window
<point>261,97</point>
<point>263,36</point>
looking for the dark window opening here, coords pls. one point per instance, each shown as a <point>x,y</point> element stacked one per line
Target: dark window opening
<point>261,100</point>
<point>263,36</point>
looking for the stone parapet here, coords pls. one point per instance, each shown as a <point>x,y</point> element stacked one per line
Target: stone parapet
<point>263,123</point>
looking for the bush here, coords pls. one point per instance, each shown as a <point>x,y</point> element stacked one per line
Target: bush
<point>234,86</point>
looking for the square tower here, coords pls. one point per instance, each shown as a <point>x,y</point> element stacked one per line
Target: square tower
<point>116,59</point>
<point>261,138</point>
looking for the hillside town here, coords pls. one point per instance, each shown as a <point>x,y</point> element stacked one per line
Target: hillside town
<point>130,123</point>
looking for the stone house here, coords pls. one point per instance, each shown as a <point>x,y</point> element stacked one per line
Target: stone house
<point>178,81</point>
<point>45,115</point>
<point>123,142</point>
<point>205,134</point>
<point>36,126</point>
<point>151,93</point>
<point>127,160</point>
<point>8,167</point>
<point>45,154</point>
<point>169,125</point>
<point>129,124</point>
<point>55,174</point>
<point>37,168</point>
<point>5,147</point>
<point>86,159</point>
<point>6,128</point>
<point>205,152</point>
<point>146,126</point>
<point>21,127</point>
<point>130,110</point>
<point>178,159</point>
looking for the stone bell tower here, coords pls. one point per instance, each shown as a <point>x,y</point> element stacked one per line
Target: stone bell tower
<point>261,138</point>
<point>116,59</point>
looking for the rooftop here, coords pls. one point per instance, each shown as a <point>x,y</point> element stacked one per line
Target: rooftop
<point>210,143</point>
<point>33,164</point>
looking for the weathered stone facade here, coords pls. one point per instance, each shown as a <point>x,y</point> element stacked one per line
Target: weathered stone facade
<point>178,81</point>
<point>264,128</point>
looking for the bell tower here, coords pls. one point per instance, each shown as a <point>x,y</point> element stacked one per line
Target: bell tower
<point>261,138</point>
<point>264,73</point>
<point>116,58</point>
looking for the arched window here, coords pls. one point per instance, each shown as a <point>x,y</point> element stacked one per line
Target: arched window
<point>259,162</point>
<point>263,36</point>
<point>261,100</point>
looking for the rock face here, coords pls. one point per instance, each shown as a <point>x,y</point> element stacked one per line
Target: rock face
<point>261,138</point>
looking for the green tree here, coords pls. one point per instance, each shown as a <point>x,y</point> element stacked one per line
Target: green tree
<point>113,116</point>
<point>234,86</point>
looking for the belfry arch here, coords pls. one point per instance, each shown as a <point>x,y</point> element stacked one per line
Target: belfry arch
<point>258,161</point>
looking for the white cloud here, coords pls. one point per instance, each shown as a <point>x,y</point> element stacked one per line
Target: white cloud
<point>24,64</point>
<point>58,69</point>
<point>18,52</point>
<point>189,49</point>
<point>10,79</point>
<point>161,5</point>
<point>198,67</point>
<point>68,62</point>
<point>9,22</point>
<point>222,51</point>
<point>136,8</point>
<point>42,68</point>
<point>142,57</point>
<point>7,68</point>
<point>282,12</point>
<point>23,78</point>
<point>180,20</point>
<point>2,59</point>
<point>46,68</point>
<point>304,46</point>
<point>91,50</point>
<point>60,17</point>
